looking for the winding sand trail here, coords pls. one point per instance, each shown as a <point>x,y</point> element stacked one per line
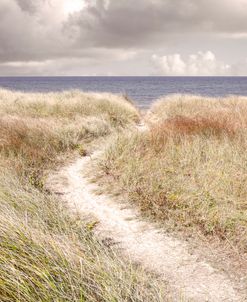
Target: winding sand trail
<point>141,241</point>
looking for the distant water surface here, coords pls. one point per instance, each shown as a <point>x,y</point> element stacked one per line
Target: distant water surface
<point>143,90</point>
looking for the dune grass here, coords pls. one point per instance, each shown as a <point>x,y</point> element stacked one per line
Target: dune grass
<point>48,253</point>
<point>189,170</point>
<point>194,106</point>
<point>35,128</point>
<point>114,109</point>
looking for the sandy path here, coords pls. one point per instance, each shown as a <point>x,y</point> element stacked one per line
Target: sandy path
<point>142,242</point>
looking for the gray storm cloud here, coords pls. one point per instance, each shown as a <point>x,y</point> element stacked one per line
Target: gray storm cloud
<point>41,32</point>
<point>127,24</point>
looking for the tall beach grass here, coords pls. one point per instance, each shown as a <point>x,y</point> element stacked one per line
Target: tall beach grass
<point>48,253</point>
<point>189,171</point>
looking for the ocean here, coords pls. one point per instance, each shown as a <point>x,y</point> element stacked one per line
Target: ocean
<point>142,90</point>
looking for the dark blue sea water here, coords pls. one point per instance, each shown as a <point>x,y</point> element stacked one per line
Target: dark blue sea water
<point>143,90</point>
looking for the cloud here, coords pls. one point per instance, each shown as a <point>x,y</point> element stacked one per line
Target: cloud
<point>29,34</point>
<point>41,31</point>
<point>239,68</point>
<point>124,24</point>
<point>90,64</point>
<point>30,6</point>
<point>202,64</point>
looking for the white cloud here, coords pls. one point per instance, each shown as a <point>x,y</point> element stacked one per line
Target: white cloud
<point>172,64</point>
<point>201,63</point>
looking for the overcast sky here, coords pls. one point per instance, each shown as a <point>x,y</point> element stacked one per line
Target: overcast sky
<point>123,37</point>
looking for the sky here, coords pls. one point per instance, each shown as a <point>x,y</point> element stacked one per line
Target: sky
<point>123,37</point>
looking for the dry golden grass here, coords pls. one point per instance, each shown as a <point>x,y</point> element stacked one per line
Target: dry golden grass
<point>189,170</point>
<point>194,106</point>
<point>114,109</point>
<point>46,252</point>
<point>34,128</point>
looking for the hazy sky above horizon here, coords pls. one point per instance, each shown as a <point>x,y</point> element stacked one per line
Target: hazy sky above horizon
<point>123,37</point>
